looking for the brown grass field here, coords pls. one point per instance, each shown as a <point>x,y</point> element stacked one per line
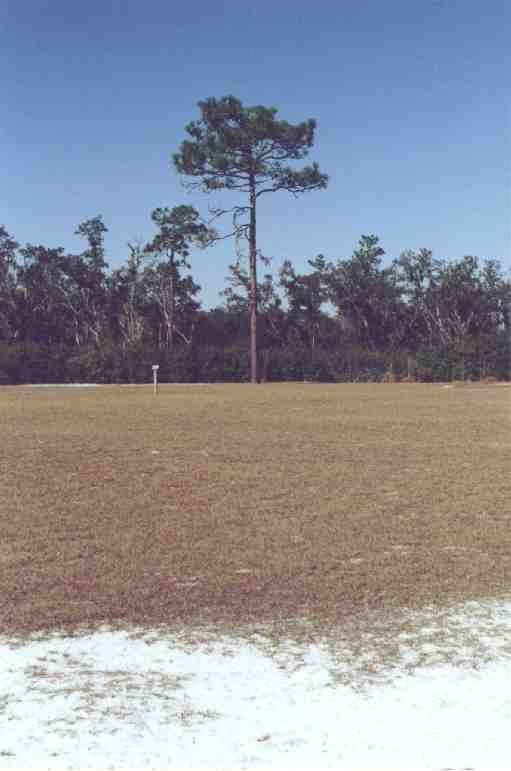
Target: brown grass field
<point>236,503</point>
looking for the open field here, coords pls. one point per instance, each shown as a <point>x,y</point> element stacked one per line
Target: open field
<point>233,504</point>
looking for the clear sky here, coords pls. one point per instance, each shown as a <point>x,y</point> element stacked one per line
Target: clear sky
<point>411,99</point>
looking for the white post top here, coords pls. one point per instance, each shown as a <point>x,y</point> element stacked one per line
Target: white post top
<point>156,367</point>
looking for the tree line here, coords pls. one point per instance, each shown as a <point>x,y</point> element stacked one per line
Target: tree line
<point>67,317</point>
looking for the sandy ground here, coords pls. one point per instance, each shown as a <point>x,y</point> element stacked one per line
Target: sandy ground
<point>144,699</point>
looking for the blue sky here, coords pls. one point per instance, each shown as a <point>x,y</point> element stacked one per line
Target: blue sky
<point>411,99</point>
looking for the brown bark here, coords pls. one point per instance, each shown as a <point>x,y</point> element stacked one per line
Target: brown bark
<point>167,304</point>
<point>253,284</point>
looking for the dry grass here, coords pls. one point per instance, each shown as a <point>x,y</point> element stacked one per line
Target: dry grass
<point>231,504</point>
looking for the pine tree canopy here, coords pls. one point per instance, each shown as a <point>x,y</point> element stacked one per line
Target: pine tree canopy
<point>232,146</point>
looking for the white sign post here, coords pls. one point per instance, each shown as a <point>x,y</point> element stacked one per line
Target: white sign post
<point>156,367</point>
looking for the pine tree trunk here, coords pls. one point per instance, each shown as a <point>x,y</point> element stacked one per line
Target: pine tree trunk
<point>253,284</point>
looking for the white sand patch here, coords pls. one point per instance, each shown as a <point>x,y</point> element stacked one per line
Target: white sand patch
<point>111,699</point>
<point>61,385</point>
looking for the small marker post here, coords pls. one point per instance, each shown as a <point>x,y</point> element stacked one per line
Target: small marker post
<point>155,378</point>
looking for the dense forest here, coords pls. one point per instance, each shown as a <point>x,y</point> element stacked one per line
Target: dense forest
<point>68,318</point>
<point>65,317</point>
